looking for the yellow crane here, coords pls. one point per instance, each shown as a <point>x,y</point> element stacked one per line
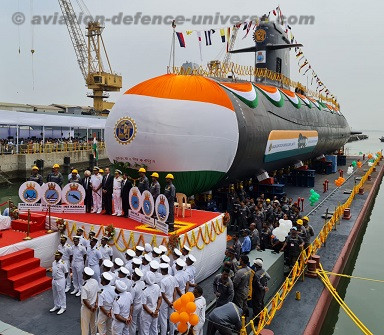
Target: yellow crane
<point>89,57</point>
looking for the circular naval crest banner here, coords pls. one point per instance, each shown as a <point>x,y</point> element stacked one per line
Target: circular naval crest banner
<point>135,199</point>
<point>148,203</point>
<point>30,192</point>
<point>51,194</point>
<point>73,194</point>
<point>162,208</point>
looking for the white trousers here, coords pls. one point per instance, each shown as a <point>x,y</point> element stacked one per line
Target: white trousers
<point>148,324</point>
<point>164,314</point>
<point>68,279</point>
<point>58,291</point>
<point>104,324</point>
<point>77,272</point>
<point>117,202</point>
<point>88,321</point>
<point>136,319</point>
<point>119,328</point>
<point>97,200</point>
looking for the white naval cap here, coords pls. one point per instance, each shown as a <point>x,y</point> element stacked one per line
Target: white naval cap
<point>165,259</point>
<point>137,261</point>
<point>124,270</point>
<point>177,252</point>
<point>107,276</point>
<point>154,265</point>
<point>88,271</point>
<point>163,248</point>
<point>186,248</point>
<point>140,248</point>
<point>258,262</point>
<point>157,250</point>
<point>147,247</point>
<point>130,253</point>
<point>139,272</point>
<point>120,286</point>
<point>119,261</point>
<point>148,257</point>
<point>149,278</point>
<point>180,262</point>
<point>192,258</point>
<point>107,263</point>
<point>164,266</point>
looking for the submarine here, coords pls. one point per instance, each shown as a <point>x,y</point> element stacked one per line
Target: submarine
<point>209,130</point>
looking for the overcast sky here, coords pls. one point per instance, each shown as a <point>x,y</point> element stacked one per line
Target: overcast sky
<point>344,47</point>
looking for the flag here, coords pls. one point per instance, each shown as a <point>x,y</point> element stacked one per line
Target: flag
<point>222,34</point>
<point>307,69</point>
<point>304,64</point>
<point>199,39</point>
<point>274,12</point>
<point>208,40</point>
<point>228,37</point>
<point>95,150</point>
<point>245,25</point>
<point>180,37</point>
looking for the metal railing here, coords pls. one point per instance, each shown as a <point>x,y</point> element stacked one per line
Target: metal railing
<point>33,148</point>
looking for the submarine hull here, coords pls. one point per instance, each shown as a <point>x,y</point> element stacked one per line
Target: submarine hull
<point>206,131</point>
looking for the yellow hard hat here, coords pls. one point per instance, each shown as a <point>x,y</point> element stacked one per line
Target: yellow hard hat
<point>299,222</point>
<point>268,200</point>
<point>101,170</point>
<point>75,171</point>
<point>155,174</point>
<point>56,166</point>
<point>169,176</point>
<point>35,168</point>
<point>306,218</point>
<point>142,170</point>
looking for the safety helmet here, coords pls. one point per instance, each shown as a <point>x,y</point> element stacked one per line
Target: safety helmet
<point>155,174</point>
<point>35,168</point>
<point>56,166</point>
<point>142,170</point>
<point>169,176</point>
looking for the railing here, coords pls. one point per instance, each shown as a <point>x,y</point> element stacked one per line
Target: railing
<point>267,314</point>
<point>33,148</point>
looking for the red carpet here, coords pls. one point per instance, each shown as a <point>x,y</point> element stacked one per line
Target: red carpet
<point>21,275</point>
<point>182,225</point>
<point>12,236</point>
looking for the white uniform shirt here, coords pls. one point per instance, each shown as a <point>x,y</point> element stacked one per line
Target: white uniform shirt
<point>191,272</point>
<point>128,266</point>
<point>78,253</point>
<point>201,306</point>
<point>122,304</point>
<point>59,269</point>
<point>96,180</point>
<point>158,277</point>
<point>167,286</point>
<point>127,282</point>
<point>66,250</point>
<point>94,256</point>
<point>107,297</point>
<point>144,268</point>
<point>137,293</point>
<point>106,252</point>
<point>89,291</point>
<point>150,296</point>
<point>117,183</point>
<point>182,277</point>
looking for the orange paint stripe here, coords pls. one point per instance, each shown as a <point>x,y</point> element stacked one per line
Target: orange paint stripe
<point>288,92</point>
<point>301,96</point>
<point>183,87</point>
<point>266,88</point>
<point>242,87</point>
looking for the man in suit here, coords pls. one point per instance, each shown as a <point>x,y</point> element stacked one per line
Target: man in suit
<point>126,186</point>
<point>86,183</point>
<point>108,190</point>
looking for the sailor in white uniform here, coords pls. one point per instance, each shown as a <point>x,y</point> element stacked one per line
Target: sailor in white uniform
<point>117,200</point>
<point>139,251</point>
<point>181,277</point>
<point>137,294</point>
<point>154,268</point>
<point>88,309</point>
<point>78,257</point>
<point>105,301</point>
<point>165,259</point>
<point>129,256</point>
<point>122,275</point>
<point>94,258</point>
<point>201,306</point>
<point>145,263</point>
<point>167,287</point>
<point>105,249</point>
<point>156,253</point>
<point>151,305</point>
<point>96,183</point>
<point>66,250</point>
<point>107,267</point>
<point>59,273</point>
<point>122,310</point>
<point>175,256</point>
<point>191,272</point>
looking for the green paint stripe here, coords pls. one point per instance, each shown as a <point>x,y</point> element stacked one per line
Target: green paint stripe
<point>295,105</point>
<point>249,103</point>
<point>285,154</point>
<point>276,103</point>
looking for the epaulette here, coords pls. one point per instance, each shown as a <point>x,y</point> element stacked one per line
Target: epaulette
<point>117,298</point>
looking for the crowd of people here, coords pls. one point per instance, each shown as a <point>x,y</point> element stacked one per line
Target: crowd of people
<point>129,296</point>
<point>108,193</point>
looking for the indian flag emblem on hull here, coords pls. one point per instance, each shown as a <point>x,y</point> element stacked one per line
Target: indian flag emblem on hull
<point>125,130</point>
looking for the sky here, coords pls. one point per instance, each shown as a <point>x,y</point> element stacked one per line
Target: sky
<point>344,46</point>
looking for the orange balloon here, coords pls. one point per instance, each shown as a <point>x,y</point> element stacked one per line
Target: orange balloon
<point>184,299</point>
<point>184,317</point>
<point>182,327</point>
<point>193,320</point>
<point>191,296</point>
<point>175,317</point>
<point>191,307</point>
<point>177,304</point>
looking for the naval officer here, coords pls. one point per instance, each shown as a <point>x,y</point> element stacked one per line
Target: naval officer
<point>168,286</point>
<point>35,176</point>
<point>94,258</point>
<point>170,194</point>
<point>105,249</point>
<point>105,303</point>
<point>97,183</point>
<point>117,200</point>
<point>88,309</point>
<point>78,257</point>
<point>122,309</point>
<point>59,273</point>
<point>66,251</point>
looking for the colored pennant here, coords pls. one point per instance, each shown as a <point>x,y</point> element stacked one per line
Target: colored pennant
<point>180,37</point>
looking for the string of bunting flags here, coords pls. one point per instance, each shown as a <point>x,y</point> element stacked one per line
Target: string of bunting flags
<point>206,37</point>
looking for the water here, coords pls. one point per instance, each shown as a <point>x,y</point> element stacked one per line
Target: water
<point>363,297</point>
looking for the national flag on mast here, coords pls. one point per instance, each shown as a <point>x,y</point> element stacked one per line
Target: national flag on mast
<point>94,149</point>
<point>222,34</point>
<point>199,39</point>
<point>180,37</point>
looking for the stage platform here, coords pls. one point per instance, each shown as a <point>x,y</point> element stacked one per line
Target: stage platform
<point>204,232</point>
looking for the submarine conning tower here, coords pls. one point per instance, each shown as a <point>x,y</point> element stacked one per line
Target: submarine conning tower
<point>271,49</point>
